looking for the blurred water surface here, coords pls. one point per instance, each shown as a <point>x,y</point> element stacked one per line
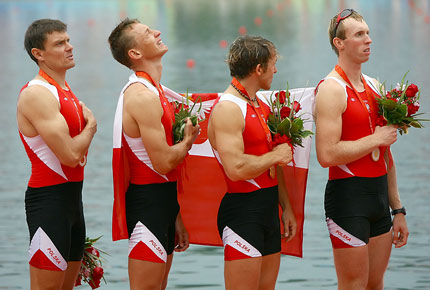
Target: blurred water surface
<point>196,29</point>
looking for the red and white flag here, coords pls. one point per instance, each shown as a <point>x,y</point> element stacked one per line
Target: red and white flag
<point>204,186</point>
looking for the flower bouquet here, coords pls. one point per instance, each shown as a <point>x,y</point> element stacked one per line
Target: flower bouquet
<point>399,106</point>
<point>284,122</point>
<point>91,270</point>
<point>182,112</point>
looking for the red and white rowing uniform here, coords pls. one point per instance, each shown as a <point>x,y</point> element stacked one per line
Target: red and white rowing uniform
<point>255,143</point>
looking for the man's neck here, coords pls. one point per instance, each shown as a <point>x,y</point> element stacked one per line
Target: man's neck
<point>250,85</point>
<point>153,69</point>
<point>352,70</point>
<point>58,76</point>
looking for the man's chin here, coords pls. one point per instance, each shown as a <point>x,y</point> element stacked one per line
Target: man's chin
<point>166,49</point>
<point>71,65</point>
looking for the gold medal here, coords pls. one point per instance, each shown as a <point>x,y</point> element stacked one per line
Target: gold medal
<point>272,172</point>
<point>375,154</point>
<point>83,161</point>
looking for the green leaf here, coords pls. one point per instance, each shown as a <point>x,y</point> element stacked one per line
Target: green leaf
<point>284,127</point>
<point>296,127</point>
<point>194,119</point>
<point>389,105</point>
<point>403,110</point>
<point>271,119</point>
<point>416,124</point>
<point>307,133</point>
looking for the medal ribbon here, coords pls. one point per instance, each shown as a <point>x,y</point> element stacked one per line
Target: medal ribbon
<point>181,167</point>
<point>149,78</point>
<point>159,88</point>
<point>54,83</point>
<point>258,110</point>
<point>369,93</point>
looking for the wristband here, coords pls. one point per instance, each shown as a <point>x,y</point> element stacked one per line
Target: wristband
<point>397,211</point>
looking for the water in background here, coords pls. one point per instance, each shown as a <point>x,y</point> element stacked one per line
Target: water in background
<point>197,30</point>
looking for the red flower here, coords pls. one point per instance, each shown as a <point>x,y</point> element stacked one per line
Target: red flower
<point>392,96</point>
<point>94,284</point>
<point>381,121</point>
<point>97,273</point>
<point>95,252</point>
<point>411,91</point>
<point>282,96</point>
<point>89,249</point>
<point>278,139</point>
<point>296,106</point>
<point>78,281</point>
<point>413,108</point>
<point>285,112</point>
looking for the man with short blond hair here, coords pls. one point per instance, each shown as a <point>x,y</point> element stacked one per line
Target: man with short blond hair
<point>143,125</point>
<point>362,182</point>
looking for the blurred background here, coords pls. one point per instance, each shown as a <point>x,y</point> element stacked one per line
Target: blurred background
<point>198,34</point>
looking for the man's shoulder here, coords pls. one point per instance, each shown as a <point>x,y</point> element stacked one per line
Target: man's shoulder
<point>229,103</point>
<point>374,83</point>
<point>36,90</point>
<point>139,92</point>
<point>138,99</point>
<point>331,85</point>
<point>227,111</point>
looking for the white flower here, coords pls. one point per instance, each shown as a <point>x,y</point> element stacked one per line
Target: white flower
<point>400,88</point>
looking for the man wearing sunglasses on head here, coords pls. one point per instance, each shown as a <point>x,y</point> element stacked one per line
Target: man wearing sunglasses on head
<point>362,182</point>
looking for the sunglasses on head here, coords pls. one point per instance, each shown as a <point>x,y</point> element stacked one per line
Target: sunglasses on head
<point>341,16</point>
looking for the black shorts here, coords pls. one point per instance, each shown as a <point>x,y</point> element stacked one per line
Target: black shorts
<point>249,225</point>
<point>151,211</point>
<point>357,207</point>
<point>56,224</point>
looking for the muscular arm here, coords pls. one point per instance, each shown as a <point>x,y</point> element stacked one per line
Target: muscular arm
<point>142,117</point>
<point>331,150</point>
<point>225,134</point>
<point>38,113</point>
<point>288,218</point>
<point>400,228</point>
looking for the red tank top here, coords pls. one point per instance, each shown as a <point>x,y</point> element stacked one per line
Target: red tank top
<point>141,169</point>
<point>255,143</point>
<point>355,125</point>
<point>46,168</point>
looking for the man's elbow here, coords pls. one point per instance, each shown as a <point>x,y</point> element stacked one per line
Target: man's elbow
<point>234,176</point>
<point>324,160</point>
<point>235,173</point>
<point>71,160</point>
<point>162,168</point>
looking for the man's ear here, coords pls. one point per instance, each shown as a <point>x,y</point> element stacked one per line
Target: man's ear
<point>37,53</point>
<point>338,43</point>
<point>134,54</point>
<point>259,70</point>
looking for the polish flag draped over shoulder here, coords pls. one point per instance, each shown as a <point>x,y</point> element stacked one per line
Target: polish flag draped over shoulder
<point>121,176</point>
<point>204,186</point>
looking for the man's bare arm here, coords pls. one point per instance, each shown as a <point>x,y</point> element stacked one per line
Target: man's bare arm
<point>331,151</point>
<point>38,113</point>
<point>143,110</point>
<point>227,124</point>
